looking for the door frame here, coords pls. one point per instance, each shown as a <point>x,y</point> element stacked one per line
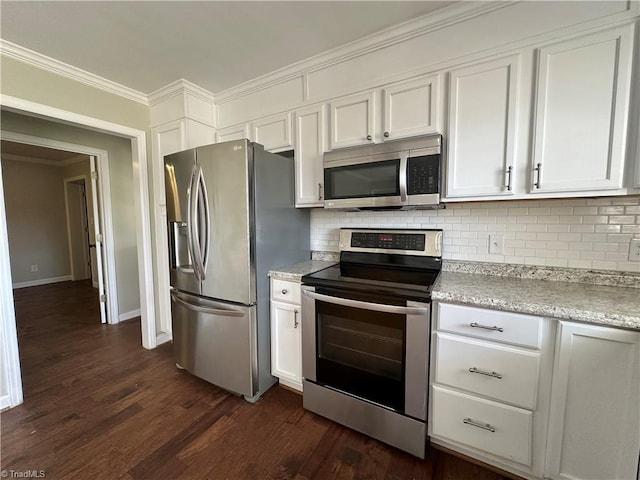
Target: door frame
<point>104,200</point>
<point>8,334</point>
<point>67,200</point>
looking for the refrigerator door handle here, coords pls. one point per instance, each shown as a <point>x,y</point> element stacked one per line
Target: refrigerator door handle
<point>194,226</point>
<point>211,311</point>
<point>207,218</point>
<point>190,219</point>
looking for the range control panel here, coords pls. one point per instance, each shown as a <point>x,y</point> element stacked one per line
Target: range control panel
<point>394,241</point>
<point>397,241</point>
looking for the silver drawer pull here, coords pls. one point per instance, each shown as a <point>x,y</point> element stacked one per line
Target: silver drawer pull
<point>486,327</point>
<point>484,372</point>
<point>284,291</point>
<point>484,426</point>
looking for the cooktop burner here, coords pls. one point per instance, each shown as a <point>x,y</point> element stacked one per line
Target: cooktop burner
<point>396,263</point>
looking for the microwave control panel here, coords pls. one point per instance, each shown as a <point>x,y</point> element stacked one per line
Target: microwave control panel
<point>423,175</point>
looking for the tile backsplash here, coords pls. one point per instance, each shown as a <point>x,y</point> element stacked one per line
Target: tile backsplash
<point>592,233</point>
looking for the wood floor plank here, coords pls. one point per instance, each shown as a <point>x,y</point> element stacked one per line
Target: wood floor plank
<point>99,406</point>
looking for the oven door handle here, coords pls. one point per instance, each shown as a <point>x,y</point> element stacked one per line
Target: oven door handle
<point>378,307</point>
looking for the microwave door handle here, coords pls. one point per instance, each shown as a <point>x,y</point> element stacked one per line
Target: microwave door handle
<point>378,307</point>
<point>402,180</point>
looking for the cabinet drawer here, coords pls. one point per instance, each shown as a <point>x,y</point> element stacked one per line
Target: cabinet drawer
<point>498,371</point>
<point>482,424</point>
<point>284,291</point>
<point>507,327</point>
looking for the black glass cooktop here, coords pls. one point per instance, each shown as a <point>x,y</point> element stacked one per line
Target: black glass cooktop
<point>406,282</point>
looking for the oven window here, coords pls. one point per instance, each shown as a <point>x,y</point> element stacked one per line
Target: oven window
<point>361,352</point>
<point>374,179</point>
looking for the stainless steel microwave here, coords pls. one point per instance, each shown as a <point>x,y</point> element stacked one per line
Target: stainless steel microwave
<point>402,174</point>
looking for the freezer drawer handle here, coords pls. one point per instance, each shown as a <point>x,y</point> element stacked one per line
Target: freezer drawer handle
<point>484,426</point>
<point>484,372</point>
<point>212,311</point>
<point>378,307</point>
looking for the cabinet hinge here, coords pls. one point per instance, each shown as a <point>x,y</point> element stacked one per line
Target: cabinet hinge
<point>103,298</point>
<point>99,237</point>
<point>94,175</point>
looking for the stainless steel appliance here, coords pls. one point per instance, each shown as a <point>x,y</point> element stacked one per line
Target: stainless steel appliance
<point>365,334</point>
<point>231,218</point>
<point>402,174</point>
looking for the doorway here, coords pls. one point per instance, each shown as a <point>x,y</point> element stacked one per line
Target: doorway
<point>141,220</point>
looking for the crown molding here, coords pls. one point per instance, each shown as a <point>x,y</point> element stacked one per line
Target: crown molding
<point>456,13</point>
<point>41,61</point>
<point>177,88</point>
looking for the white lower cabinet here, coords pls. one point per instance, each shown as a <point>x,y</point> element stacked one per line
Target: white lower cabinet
<point>505,392</point>
<point>594,425</point>
<point>491,375</point>
<point>286,340</point>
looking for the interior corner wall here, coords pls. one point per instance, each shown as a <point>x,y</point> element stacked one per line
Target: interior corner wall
<point>36,222</point>
<point>122,197</point>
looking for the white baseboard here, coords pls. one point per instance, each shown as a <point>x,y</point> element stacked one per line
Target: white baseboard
<point>128,315</point>
<point>42,281</point>
<point>5,402</point>
<point>163,337</point>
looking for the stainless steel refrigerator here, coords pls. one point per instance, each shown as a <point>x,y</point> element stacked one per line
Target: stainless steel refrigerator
<point>231,218</point>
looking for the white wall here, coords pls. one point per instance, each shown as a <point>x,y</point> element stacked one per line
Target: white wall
<point>36,222</point>
<point>576,233</point>
<point>121,172</point>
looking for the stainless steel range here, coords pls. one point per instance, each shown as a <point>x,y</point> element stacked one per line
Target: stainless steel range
<point>365,334</point>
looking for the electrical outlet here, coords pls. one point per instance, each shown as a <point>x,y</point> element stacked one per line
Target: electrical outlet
<point>496,244</point>
<point>634,250</point>
<point>34,268</point>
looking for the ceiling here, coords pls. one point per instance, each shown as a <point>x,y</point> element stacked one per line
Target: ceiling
<point>34,152</point>
<point>214,44</point>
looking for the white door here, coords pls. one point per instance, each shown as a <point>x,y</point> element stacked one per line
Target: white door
<point>581,112</point>
<point>353,120</point>
<point>98,241</point>
<point>411,108</point>
<point>286,343</point>
<point>594,425</point>
<point>482,128</point>
<point>309,148</point>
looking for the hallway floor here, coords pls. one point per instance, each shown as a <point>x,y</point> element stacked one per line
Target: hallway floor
<point>98,406</point>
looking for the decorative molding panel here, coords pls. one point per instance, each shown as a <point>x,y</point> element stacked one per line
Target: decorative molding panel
<point>52,65</point>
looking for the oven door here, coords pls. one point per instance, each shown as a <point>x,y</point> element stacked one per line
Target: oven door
<point>373,351</point>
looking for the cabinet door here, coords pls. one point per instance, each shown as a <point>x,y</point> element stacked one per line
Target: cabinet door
<point>286,344</point>
<point>309,148</point>
<point>232,133</point>
<point>411,108</point>
<point>594,426</point>
<point>581,112</point>
<point>352,120</point>
<point>482,128</point>
<point>274,132</point>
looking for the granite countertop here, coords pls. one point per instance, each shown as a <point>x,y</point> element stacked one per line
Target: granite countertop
<point>293,273</point>
<point>617,306</point>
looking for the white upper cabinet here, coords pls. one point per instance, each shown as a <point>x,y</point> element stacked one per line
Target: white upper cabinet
<point>232,133</point>
<point>482,128</point>
<point>309,124</point>
<point>408,108</point>
<point>352,120</point>
<point>411,108</point>
<point>581,112</point>
<point>273,132</point>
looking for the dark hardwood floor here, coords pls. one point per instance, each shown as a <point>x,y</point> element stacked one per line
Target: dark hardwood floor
<point>99,406</point>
